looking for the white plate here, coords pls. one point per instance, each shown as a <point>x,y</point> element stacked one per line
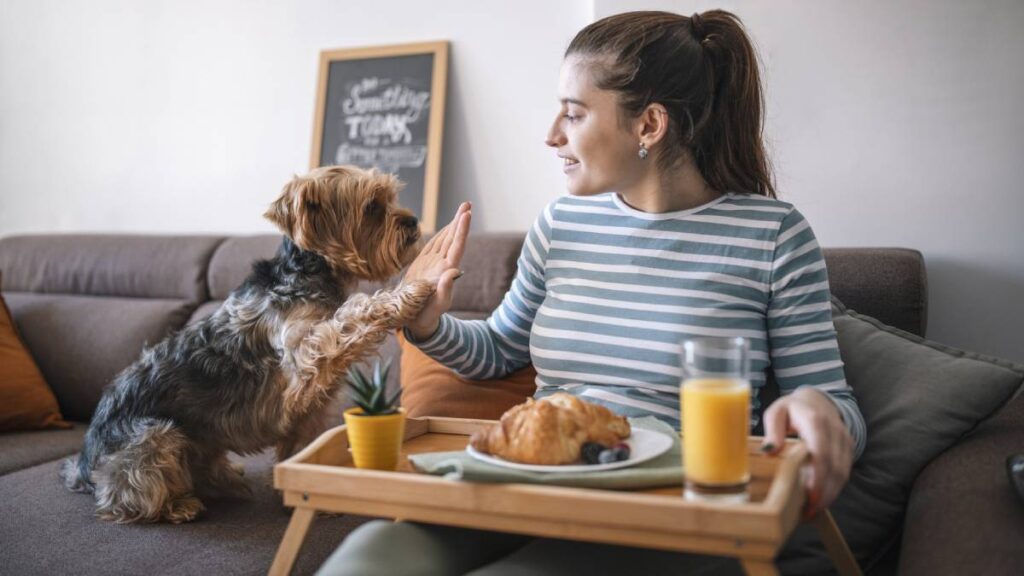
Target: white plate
<point>643,445</point>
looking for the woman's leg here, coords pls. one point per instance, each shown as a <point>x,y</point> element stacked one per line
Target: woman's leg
<point>410,549</point>
<point>549,557</point>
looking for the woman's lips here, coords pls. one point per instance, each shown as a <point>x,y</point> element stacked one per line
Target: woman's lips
<point>569,165</point>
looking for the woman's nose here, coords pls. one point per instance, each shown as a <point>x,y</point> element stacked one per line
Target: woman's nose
<point>555,137</point>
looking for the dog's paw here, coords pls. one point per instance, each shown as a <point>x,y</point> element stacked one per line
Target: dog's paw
<point>413,295</point>
<point>183,510</point>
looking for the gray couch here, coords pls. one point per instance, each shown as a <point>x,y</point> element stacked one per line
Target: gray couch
<point>87,304</point>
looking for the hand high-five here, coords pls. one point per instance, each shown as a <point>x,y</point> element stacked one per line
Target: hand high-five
<point>439,262</point>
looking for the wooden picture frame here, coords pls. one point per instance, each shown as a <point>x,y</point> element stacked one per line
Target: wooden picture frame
<point>383,107</point>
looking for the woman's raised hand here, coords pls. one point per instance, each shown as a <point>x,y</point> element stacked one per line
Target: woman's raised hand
<point>439,262</point>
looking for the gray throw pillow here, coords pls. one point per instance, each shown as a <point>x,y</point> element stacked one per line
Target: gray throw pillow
<point>918,398</point>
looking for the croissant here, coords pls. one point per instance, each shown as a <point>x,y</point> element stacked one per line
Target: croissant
<point>550,431</point>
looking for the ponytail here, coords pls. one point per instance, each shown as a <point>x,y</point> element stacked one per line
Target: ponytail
<point>727,144</point>
<point>703,70</point>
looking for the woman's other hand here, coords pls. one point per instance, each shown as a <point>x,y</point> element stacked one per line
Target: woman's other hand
<point>439,262</point>
<point>811,415</point>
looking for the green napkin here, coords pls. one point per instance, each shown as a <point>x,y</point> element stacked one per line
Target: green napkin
<point>665,470</point>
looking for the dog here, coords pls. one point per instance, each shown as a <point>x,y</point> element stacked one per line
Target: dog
<point>260,371</point>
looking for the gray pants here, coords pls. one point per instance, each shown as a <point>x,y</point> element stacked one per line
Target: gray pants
<point>388,548</point>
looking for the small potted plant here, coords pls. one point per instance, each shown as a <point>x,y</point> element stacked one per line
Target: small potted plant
<point>376,425</point>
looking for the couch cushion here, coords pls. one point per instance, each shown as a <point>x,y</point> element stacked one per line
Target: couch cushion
<point>108,265</point>
<point>204,311</point>
<point>81,342</point>
<point>490,265</point>
<point>46,529</point>
<point>232,262</point>
<point>918,398</point>
<point>26,401</point>
<point>19,450</point>
<point>969,483</point>
<point>430,389</point>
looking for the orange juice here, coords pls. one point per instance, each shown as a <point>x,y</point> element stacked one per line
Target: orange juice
<point>716,425</point>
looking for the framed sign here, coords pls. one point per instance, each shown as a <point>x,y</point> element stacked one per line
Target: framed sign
<point>383,107</point>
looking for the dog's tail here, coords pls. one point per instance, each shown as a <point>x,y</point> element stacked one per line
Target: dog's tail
<point>75,473</point>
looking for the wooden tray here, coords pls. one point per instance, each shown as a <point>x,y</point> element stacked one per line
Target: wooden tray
<point>322,477</point>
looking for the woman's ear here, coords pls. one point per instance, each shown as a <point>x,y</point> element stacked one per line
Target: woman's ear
<point>652,125</point>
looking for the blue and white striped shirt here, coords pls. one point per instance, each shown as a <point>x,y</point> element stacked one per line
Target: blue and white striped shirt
<point>605,293</point>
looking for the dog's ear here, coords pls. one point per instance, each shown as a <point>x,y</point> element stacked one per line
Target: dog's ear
<point>313,217</point>
<point>294,210</point>
<point>280,211</point>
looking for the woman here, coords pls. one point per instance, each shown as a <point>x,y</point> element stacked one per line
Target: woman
<point>671,229</point>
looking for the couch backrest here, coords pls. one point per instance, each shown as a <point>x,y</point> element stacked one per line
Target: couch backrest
<point>886,283</point>
<point>489,261</point>
<point>87,304</point>
<point>172,267</point>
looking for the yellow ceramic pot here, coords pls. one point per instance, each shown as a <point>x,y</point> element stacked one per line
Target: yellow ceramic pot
<point>375,440</point>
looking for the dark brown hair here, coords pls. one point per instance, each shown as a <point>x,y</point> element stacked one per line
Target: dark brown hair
<point>703,70</point>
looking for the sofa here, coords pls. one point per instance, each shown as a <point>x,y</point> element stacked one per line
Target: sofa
<point>86,305</point>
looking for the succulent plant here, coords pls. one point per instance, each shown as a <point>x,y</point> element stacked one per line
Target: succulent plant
<point>368,392</point>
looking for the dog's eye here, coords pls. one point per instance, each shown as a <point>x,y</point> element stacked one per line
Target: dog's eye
<point>373,209</point>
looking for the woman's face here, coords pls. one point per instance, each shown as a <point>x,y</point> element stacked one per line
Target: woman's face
<point>599,154</point>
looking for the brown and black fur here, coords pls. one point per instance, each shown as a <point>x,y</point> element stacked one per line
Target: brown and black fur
<point>259,371</point>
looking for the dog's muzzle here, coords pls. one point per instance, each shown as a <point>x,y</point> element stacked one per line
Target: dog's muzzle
<point>412,228</point>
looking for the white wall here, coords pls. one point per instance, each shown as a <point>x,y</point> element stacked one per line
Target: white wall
<point>189,115</point>
<point>890,123</point>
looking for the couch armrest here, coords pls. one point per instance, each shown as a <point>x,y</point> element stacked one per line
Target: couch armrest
<point>889,284</point>
<point>964,516</point>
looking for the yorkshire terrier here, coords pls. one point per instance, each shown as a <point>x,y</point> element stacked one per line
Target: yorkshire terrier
<point>261,370</point>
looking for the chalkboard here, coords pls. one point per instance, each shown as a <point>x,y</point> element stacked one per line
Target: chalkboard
<point>383,107</point>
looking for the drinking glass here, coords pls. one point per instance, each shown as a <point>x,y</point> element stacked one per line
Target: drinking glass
<point>715,404</point>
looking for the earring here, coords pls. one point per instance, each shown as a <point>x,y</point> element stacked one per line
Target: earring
<point>643,152</point>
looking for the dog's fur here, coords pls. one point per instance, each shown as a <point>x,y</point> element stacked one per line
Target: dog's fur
<point>261,369</point>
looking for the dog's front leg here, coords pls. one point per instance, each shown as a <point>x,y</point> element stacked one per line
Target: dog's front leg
<point>357,328</point>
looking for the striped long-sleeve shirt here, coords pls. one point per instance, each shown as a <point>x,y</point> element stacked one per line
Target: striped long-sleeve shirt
<point>604,294</point>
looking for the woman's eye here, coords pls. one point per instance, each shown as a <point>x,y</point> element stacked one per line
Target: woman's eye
<point>570,117</point>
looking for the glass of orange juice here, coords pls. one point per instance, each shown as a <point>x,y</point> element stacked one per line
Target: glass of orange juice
<point>715,404</point>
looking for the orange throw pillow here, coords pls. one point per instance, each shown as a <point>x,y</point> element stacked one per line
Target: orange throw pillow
<point>431,389</point>
<point>26,401</point>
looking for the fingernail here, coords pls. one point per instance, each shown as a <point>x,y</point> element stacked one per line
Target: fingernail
<point>767,447</point>
<point>461,273</point>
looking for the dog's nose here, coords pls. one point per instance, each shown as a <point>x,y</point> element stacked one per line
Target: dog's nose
<point>410,222</point>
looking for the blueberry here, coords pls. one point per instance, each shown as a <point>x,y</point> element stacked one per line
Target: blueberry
<point>590,452</point>
<point>608,456</point>
<point>622,451</point>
